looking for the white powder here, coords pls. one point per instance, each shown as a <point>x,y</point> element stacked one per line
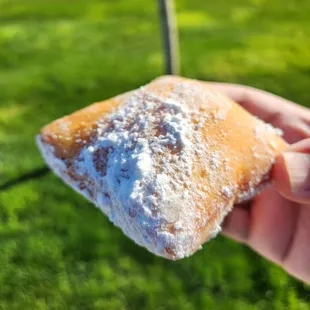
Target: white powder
<point>263,130</point>
<point>215,161</point>
<point>149,147</point>
<point>227,191</point>
<point>91,149</point>
<point>138,168</point>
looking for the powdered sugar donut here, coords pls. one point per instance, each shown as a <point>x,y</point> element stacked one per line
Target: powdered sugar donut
<point>165,162</point>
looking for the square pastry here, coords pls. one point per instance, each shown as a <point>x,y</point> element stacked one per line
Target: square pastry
<point>165,162</point>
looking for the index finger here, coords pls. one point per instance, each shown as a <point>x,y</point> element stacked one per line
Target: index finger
<point>262,104</point>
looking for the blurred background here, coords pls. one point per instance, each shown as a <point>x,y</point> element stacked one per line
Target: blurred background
<point>56,250</point>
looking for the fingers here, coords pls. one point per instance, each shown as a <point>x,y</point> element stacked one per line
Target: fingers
<point>237,224</point>
<point>267,225</point>
<point>293,119</point>
<point>273,223</point>
<point>294,128</point>
<point>259,102</point>
<point>276,225</point>
<point>276,228</point>
<point>297,258</point>
<point>291,172</point>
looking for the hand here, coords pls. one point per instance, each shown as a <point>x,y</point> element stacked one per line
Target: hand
<point>276,223</point>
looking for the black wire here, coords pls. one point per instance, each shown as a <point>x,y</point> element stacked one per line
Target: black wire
<point>34,174</point>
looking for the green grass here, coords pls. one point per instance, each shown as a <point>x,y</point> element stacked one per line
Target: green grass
<point>57,250</point>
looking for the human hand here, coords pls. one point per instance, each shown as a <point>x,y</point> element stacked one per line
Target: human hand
<point>276,223</point>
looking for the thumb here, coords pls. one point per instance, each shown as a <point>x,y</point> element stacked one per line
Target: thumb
<point>291,172</point>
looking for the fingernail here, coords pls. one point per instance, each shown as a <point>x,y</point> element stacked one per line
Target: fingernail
<point>298,170</point>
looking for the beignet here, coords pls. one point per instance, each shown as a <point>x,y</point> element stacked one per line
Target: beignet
<point>165,162</point>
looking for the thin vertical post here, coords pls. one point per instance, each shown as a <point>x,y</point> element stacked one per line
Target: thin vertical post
<point>170,36</point>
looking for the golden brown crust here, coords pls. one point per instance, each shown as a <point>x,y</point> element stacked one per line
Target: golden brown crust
<point>69,133</point>
<point>233,162</point>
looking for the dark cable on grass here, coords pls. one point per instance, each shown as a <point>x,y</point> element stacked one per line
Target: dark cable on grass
<point>170,36</point>
<point>34,174</point>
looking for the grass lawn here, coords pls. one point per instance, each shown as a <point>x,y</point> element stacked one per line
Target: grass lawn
<point>56,56</point>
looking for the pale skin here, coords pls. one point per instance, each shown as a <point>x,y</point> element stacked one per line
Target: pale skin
<point>276,223</point>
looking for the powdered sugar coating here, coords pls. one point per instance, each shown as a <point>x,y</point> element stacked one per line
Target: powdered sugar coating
<point>147,166</point>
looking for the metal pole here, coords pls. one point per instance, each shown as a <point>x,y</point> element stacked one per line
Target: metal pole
<point>170,36</point>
